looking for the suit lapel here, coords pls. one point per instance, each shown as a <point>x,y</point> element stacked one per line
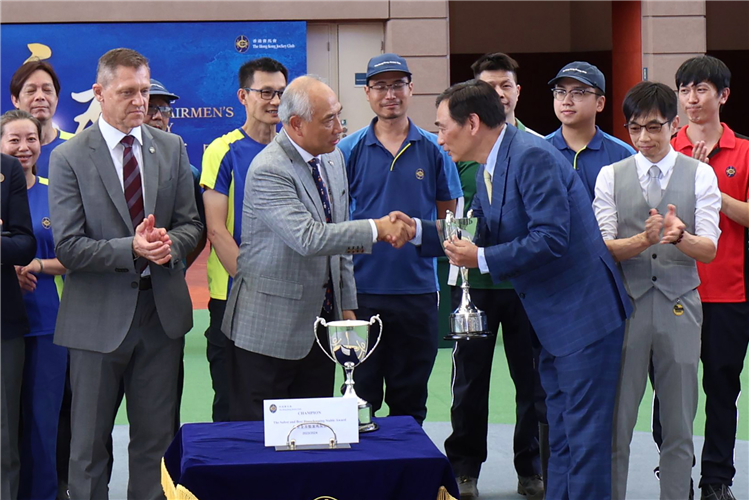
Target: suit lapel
<point>104,165</point>
<point>151,170</point>
<point>499,178</point>
<point>303,173</point>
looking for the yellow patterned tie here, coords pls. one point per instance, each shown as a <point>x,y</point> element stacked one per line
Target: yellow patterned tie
<point>488,182</point>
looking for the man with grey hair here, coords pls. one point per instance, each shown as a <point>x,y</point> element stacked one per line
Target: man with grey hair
<point>124,219</point>
<point>295,256</point>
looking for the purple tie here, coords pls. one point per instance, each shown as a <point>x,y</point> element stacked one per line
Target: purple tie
<point>314,162</point>
<point>132,183</point>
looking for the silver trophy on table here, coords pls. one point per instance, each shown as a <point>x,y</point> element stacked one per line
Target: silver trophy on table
<point>349,342</point>
<point>467,321</point>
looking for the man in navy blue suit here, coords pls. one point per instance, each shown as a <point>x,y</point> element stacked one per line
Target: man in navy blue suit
<point>539,231</point>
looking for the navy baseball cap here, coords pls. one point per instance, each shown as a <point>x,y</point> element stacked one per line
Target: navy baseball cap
<point>582,72</point>
<point>157,88</point>
<point>386,62</point>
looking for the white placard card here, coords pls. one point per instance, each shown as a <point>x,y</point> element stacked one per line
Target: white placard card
<point>280,416</point>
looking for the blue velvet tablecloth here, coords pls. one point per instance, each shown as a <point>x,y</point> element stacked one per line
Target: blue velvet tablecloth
<point>223,461</point>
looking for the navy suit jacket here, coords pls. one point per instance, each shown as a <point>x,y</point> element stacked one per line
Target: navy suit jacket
<point>539,231</point>
<point>18,245</point>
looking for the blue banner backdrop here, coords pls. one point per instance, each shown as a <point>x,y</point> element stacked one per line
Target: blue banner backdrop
<point>197,61</point>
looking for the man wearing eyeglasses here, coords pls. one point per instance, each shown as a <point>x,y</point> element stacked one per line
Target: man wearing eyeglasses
<point>579,95</point>
<point>394,165</point>
<point>658,212</point>
<point>225,165</point>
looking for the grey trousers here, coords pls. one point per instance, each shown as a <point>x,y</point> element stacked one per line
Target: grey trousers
<point>674,341</point>
<point>10,414</point>
<point>148,362</point>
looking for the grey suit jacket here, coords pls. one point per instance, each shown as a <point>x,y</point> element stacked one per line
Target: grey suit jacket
<point>288,250</point>
<point>94,235</point>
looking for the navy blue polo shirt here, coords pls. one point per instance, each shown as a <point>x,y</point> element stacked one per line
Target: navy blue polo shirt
<point>411,181</point>
<point>603,149</point>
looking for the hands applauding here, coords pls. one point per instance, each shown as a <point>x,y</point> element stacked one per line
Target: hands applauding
<point>152,243</point>
<point>396,228</point>
<point>673,227</point>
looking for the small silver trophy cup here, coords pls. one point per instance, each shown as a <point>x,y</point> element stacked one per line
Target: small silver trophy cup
<point>467,321</point>
<point>349,341</point>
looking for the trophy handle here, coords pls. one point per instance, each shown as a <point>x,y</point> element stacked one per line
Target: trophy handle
<point>317,339</point>
<point>372,322</point>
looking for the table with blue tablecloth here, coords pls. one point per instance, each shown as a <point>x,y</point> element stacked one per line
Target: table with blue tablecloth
<point>228,460</point>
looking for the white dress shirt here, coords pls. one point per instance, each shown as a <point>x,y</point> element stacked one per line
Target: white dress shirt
<point>708,197</point>
<point>307,157</point>
<point>112,137</point>
<point>491,162</point>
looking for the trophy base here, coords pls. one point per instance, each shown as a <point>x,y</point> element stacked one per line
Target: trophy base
<point>467,336</point>
<point>365,418</point>
<point>370,427</point>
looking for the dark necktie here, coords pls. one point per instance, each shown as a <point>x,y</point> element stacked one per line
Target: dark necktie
<point>132,182</point>
<point>323,192</point>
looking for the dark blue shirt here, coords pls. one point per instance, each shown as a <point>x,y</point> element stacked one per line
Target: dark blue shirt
<point>42,304</point>
<point>411,181</point>
<point>603,149</point>
<point>42,164</point>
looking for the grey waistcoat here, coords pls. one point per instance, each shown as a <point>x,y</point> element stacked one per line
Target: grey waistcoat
<point>664,267</point>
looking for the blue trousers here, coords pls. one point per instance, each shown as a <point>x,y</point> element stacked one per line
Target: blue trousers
<point>41,398</point>
<point>580,396</point>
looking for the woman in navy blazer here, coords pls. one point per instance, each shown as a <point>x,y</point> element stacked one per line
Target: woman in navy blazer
<point>18,246</point>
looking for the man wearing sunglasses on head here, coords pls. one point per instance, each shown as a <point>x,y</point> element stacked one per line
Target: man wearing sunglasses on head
<point>225,165</point>
<point>579,95</point>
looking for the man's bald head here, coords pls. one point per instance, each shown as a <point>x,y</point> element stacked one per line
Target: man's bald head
<point>310,114</point>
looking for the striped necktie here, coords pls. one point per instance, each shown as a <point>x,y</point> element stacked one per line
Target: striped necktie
<point>314,163</point>
<point>132,182</point>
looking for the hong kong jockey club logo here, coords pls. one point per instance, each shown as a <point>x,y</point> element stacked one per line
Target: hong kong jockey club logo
<point>273,408</point>
<point>242,44</point>
<point>730,171</point>
<point>420,174</point>
<point>46,224</point>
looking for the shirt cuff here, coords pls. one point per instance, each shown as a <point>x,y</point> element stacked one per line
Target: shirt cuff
<point>483,267</point>
<point>416,240</point>
<point>374,230</point>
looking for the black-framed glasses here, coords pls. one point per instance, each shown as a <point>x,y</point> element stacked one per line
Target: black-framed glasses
<point>652,127</point>
<point>265,94</point>
<point>381,87</point>
<point>576,94</point>
<point>166,111</point>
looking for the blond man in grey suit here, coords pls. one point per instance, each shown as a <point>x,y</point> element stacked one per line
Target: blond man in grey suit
<point>123,217</point>
<point>295,258</point>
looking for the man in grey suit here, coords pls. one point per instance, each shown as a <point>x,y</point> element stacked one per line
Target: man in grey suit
<point>124,217</point>
<point>295,257</point>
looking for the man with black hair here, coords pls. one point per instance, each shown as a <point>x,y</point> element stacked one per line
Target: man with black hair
<point>657,255</point>
<point>225,164</point>
<point>579,91</point>
<point>472,361</point>
<point>392,164</point>
<point>539,232</point>
<point>703,87</point>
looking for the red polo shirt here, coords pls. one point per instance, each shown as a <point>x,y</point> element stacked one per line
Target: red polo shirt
<point>723,280</point>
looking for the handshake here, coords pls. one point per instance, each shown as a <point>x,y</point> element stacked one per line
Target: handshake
<point>396,228</point>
